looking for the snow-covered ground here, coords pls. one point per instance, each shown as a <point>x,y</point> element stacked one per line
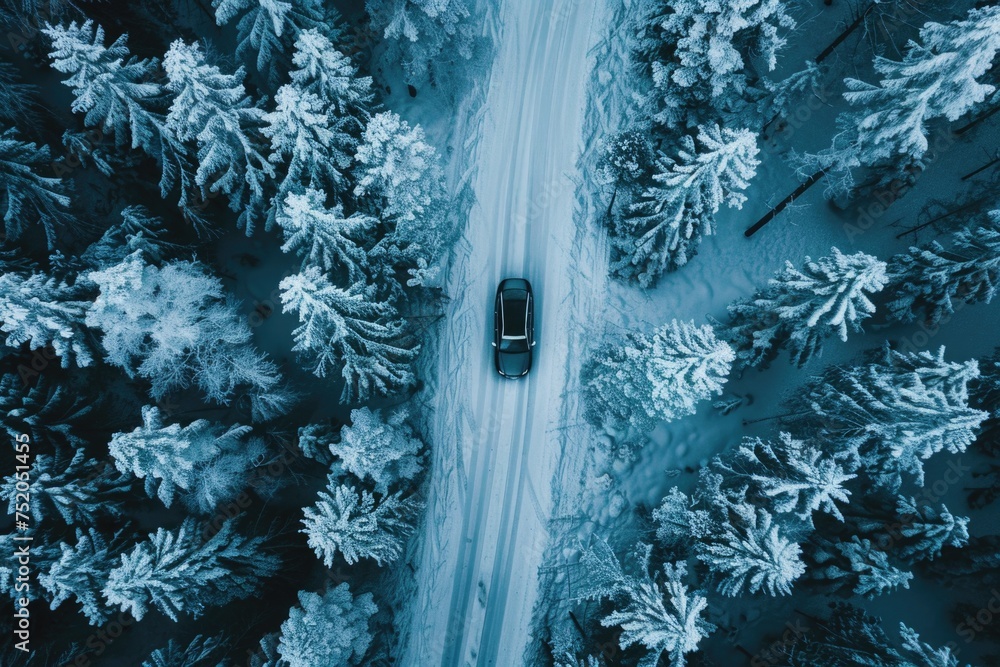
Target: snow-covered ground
<point>496,441</point>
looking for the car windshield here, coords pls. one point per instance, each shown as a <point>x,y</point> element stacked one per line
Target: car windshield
<point>513,344</point>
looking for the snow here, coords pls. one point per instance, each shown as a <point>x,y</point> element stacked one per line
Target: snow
<point>496,442</point>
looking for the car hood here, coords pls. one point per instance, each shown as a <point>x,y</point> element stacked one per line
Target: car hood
<point>514,363</point>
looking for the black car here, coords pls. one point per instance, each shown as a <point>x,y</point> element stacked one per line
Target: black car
<point>513,328</point>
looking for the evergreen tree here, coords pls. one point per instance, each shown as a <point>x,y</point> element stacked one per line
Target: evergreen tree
<point>46,411</point>
<point>120,94</point>
<point>174,326</point>
<point>315,441</point>
<point>856,565</point>
<point>425,33</point>
<point>792,475</point>
<point>646,379</point>
<point>267,656</point>
<point>266,26</point>
<point>176,572</point>
<point>673,626</point>
<point>851,637</point>
<point>329,629</point>
<point>325,237</point>
<point>26,195</point>
<point>115,90</point>
<point>79,489</point>
<point>18,105</point>
<point>940,76</point>
<point>81,572</point>
<point>912,531</point>
<point>929,280</point>
<point>42,312</point>
<point>356,526</point>
<point>312,140</point>
<point>345,328</point>
<point>664,228</point>
<point>201,652</point>
<point>212,110</point>
<point>750,555</point>
<point>800,308</point>
<point>324,71</point>
<point>702,62</point>
<point>204,463</point>
<point>626,158</point>
<point>379,445</point>
<point>399,173</point>
<point>892,412</point>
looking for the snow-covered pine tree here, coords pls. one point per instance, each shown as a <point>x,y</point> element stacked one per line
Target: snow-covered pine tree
<point>324,237</point>
<point>115,90</point>
<point>703,65</point>
<point>665,226</point>
<point>750,555</point>
<point>347,329</point>
<point>81,572</point>
<point>855,564</point>
<point>78,489</point>
<point>927,281</point>
<point>792,475</point>
<point>177,572</point>
<point>940,76</point>
<point>380,446</point>
<point>175,326</point>
<point>800,308</point>
<point>203,463</point>
<point>200,652</point>
<point>399,173</point>
<point>42,312</point>
<point>427,36</point>
<point>665,618</point>
<point>849,636</point>
<point>18,100</point>
<point>644,379</point>
<point>46,411</point>
<point>267,654</point>
<point>329,629</point>
<point>267,27</point>
<point>120,94</point>
<point>324,71</point>
<point>44,553</point>
<point>912,531</point>
<point>26,194</point>
<point>354,525</point>
<point>313,141</point>
<point>315,440</point>
<point>893,411</point>
<point>212,110</point>
<point>139,230</point>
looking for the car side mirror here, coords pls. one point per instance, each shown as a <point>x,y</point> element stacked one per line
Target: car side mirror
<point>493,344</point>
<point>533,343</point>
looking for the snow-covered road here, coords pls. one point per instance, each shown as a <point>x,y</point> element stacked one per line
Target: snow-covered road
<point>496,441</point>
